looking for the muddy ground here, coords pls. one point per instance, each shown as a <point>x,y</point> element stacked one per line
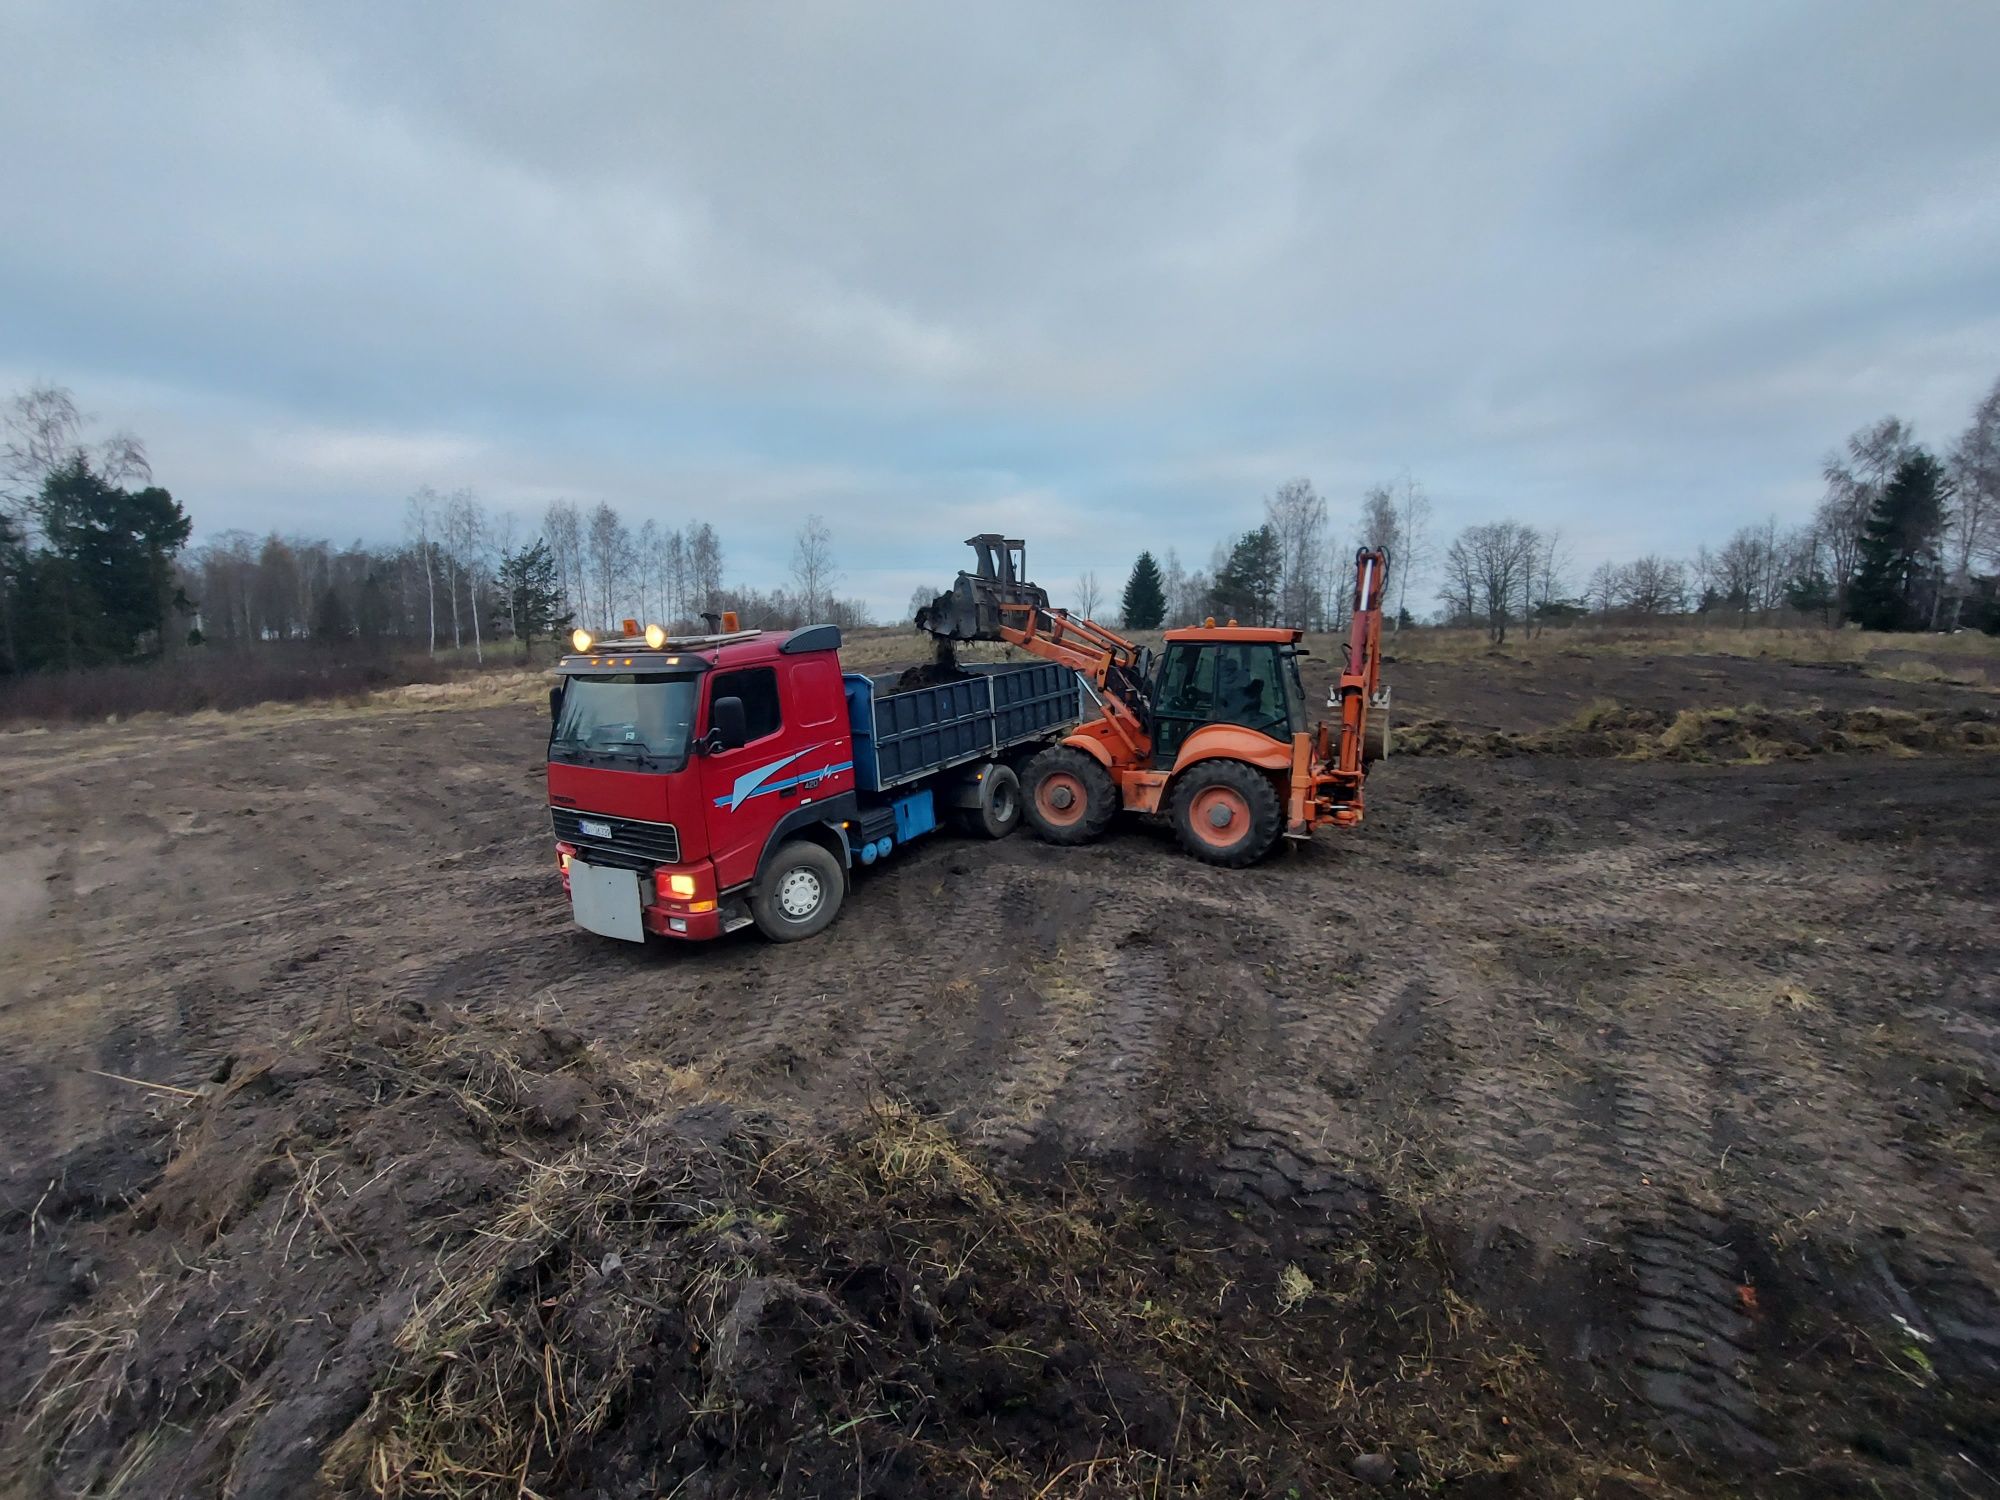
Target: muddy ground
<point>1580,1126</point>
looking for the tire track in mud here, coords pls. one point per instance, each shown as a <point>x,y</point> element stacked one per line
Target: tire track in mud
<point>1691,1338</point>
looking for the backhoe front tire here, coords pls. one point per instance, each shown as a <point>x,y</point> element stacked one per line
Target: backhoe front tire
<point>799,893</point>
<point>1225,812</point>
<point>1069,797</point>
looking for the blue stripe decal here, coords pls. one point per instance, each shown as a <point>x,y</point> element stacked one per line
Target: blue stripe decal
<point>759,788</point>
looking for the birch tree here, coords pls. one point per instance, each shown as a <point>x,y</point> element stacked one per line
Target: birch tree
<point>420,519</point>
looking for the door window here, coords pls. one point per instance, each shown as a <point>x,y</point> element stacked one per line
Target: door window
<point>758,688</point>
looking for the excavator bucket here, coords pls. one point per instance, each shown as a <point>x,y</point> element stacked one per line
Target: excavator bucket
<point>970,609</point>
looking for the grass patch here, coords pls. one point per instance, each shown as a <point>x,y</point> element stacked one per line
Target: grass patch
<point>415,1259</point>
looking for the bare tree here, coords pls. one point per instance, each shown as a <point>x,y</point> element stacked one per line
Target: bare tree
<point>420,520</point>
<point>704,551</point>
<point>1413,537</point>
<point>1297,514</point>
<point>813,573</point>
<point>1602,591</point>
<point>464,549</point>
<point>1088,595</point>
<point>43,432</point>
<point>1972,533</point>
<point>1652,585</point>
<point>1487,571</point>
<point>1547,578</point>
<point>563,526</point>
<point>607,554</point>
<point>674,576</point>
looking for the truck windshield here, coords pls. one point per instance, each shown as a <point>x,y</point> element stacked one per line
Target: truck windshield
<point>644,717</point>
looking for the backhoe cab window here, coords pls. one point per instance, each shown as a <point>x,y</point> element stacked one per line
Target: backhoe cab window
<point>642,717</point>
<point>1222,684</point>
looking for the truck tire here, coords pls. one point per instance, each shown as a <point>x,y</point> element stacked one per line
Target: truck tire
<point>799,893</point>
<point>1070,797</point>
<point>999,811</point>
<point>1225,812</point>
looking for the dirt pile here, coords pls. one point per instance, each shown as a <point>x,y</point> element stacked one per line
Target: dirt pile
<point>419,1259</point>
<point>1751,735</point>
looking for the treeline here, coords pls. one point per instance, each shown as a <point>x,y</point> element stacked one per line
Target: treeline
<point>1294,568</point>
<point>95,568</point>
<point>1902,540</point>
<point>466,576</point>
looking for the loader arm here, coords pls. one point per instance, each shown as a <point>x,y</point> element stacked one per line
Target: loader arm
<point>994,603</point>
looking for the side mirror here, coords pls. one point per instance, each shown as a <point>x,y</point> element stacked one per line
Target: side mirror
<point>555,704</point>
<point>727,725</point>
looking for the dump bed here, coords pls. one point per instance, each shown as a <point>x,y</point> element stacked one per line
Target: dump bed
<point>901,736</point>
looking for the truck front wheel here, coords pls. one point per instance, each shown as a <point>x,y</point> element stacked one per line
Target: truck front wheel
<point>800,893</point>
<point>1070,797</point>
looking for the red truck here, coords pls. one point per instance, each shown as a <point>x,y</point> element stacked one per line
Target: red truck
<point>698,784</point>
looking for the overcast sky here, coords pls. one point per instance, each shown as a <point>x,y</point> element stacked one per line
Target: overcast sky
<point>1099,274</point>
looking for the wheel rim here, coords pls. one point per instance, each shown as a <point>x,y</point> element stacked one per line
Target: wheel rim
<point>1003,803</point>
<point>1219,816</point>
<point>1061,798</point>
<point>799,894</point>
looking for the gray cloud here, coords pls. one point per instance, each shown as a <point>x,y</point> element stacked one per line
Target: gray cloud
<point>1107,273</point>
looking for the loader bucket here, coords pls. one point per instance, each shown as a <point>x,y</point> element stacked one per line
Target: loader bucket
<point>970,609</point>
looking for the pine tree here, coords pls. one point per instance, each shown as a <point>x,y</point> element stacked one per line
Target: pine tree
<point>1898,547</point>
<point>1145,602</point>
<point>1247,587</point>
<point>331,621</point>
<point>533,592</point>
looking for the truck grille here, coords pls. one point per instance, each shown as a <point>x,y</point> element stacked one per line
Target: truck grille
<point>632,844</point>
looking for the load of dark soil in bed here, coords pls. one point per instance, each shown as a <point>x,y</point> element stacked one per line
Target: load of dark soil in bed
<point>416,1259</point>
<point>942,667</point>
<point>1750,735</point>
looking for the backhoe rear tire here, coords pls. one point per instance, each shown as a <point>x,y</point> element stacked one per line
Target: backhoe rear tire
<point>1069,797</point>
<point>1225,812</point>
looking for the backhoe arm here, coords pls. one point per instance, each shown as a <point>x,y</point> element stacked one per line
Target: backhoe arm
<point>1359,685</point>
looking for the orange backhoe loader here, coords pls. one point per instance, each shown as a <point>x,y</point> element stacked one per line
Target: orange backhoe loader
<point>1214,734</point>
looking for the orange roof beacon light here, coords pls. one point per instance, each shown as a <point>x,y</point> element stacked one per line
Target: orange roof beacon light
<point>729,625</point>
<point>631,628</point>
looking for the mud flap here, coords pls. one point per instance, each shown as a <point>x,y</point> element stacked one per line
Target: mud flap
<point>606,901</point>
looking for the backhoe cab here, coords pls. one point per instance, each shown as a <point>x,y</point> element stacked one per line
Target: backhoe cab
<point>1215,735</point>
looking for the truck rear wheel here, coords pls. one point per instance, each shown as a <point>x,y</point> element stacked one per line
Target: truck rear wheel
<point>800,892</point>
<point>1225,812</point>
<point>998,812</point>
<point>1070,797</point>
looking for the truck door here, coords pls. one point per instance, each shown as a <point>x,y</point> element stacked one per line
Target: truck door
<point>742,787</point>
<point>799,754</point>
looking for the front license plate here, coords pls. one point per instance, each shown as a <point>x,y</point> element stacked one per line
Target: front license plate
<point>606,901</point>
